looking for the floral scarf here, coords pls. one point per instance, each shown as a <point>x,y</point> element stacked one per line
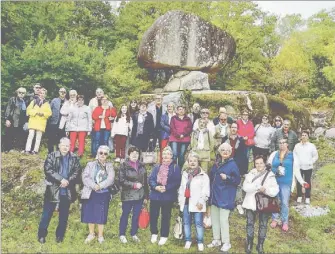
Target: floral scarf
<point>190,177</point>
<point>163,172</point>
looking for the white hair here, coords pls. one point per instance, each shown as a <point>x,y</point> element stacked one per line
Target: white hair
<point>225,146</point>
<point>167,148</point>
<point>64,140</point>
<point>103,147</point>
<point>193,155</point>
<point>73,92</point>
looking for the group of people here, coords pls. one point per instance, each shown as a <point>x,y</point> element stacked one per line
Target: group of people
<point>212,181</point>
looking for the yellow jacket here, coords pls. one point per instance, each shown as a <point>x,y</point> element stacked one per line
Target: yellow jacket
<point>37,122</point>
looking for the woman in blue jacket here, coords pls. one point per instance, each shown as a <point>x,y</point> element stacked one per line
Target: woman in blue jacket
<point>225,177</point>
<point>164,182</point>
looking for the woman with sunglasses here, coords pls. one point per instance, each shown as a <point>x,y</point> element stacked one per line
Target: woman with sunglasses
<point>277,122</point>
<point>286,168</point>
<point>263,134</point>
<point>15,118</point>
<point>97,176</point>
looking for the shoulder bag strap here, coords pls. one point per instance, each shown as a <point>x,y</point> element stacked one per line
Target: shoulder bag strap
<point>265,177</point>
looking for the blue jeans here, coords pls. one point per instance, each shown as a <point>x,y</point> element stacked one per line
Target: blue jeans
<point>187,222</point>
<point>92,141</point>
<point>179,150</point>
<point>48,209</point>
<point>101,138</point>
<point>127,206</point>
<point>284,197</point>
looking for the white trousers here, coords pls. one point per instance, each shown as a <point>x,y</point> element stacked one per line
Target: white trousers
<point>37,140</point>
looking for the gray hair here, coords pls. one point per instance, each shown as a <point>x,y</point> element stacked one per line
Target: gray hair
<point>167,148</point>
<point>64,140</point>
<point>193,155</point>
<point>103,147</point>
<point>73,92</point>
<point>225,147</point>
<point>99,90</point>
<point>287,121</point>
<point>21,89</point>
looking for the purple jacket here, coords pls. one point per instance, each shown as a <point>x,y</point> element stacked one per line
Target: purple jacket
<point>180,127</point>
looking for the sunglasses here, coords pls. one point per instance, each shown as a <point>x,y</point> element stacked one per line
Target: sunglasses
<point>21,92</point>
<point>62,91</point>
<point>265,118</point>
<point>278,120</point>
<point>103,153</point>
<point>204,112</point>
<point>37,87</point>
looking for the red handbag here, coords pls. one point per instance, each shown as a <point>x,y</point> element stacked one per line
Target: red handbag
<point>144,218</point>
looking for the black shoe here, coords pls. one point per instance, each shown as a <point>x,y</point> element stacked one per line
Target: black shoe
<point>59,239</point>
<point>41,240</point>
<point>259,246</point>
<point>249,245</point>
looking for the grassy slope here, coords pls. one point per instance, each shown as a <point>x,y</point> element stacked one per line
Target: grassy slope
<point>306,235</point>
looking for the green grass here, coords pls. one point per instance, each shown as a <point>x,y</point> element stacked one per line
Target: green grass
<point>20,222</point>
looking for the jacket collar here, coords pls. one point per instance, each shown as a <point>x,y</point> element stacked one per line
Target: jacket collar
<point>58,154</point>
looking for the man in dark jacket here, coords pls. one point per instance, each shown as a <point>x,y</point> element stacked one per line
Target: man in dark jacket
<point>239,153</point>
<point>284,133</point>
<point>15,117</point>
<point>62,169</point>
<point>53,132</point>
<point>156,109</point>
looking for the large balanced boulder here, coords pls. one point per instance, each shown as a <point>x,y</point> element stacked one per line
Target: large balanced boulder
<point>185,41</point>
<point>194,80</point>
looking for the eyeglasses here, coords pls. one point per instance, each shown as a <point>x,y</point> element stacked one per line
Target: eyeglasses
<point>62,91</point>
<point>37,87</point>
<point>204,113</point>
<point>103,153</point>
<point>265,118</point>
<point>281,143</point>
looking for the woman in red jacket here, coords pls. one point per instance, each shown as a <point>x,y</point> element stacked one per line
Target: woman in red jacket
<point>245,129</point>
<point>103,116</point>
<point>180,137</point>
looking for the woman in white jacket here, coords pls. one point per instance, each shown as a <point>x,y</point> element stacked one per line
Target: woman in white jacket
<point>121,129</point>
<point>67,107</point>
<point>253,184</point>
<point>192,196</point>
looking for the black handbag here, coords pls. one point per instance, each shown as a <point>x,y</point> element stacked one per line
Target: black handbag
<point>114,189</point>
<point>265,203</point>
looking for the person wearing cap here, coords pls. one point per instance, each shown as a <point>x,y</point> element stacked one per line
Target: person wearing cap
<point>277,122</point>
<point>180,137</point>
<point>284,133</point>
<point>195,114</point>
<point>204,114</point>
<point>143,128</point>
<point>38,111</point>
<point>245,129</point>
<point>53,132</point>
<point>102,116</point>
<point>156,109</point>
<point>15,118</point>
<point>32,96</point>
<point>306,154</point>
<point>224,179</point>
<point>263,135</point>
<point>216,120</point>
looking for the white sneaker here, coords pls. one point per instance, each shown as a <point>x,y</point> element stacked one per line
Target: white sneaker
<point>307,201</point>
<point>299,199</point>
<point>200,247</point>
<point>123,239</point>
<point>117,160</point>
<point>162,241</point>
<point>154,238</point>
<point>89,238</point>
<point>101,239</point>
<point>240,209</point>
<point>135,238</point>
<point>226,247</point>
<point>214,243</point>
<point>187,245</point>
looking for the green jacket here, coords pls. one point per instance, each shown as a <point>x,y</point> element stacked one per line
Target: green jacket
<point>205,152</point>
<point>278,135</point>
